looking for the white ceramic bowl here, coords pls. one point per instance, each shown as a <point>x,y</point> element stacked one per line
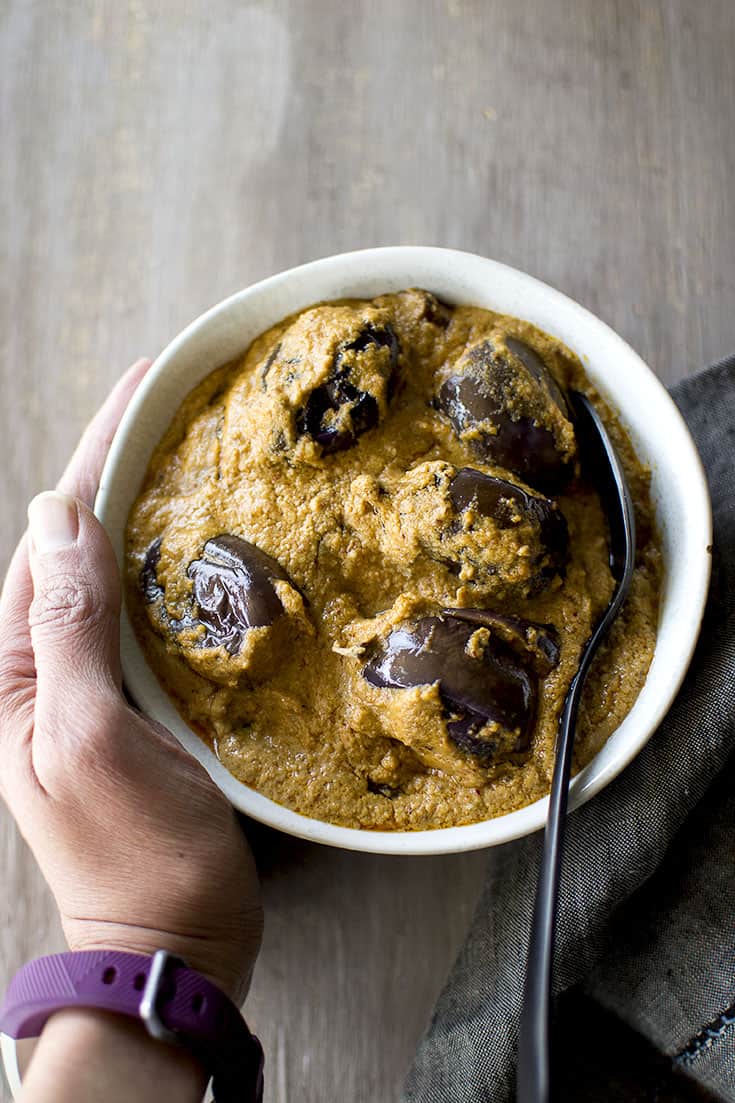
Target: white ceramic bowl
<point>656,428</point>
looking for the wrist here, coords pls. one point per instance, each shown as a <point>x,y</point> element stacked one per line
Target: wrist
<point>86,1054</point>
<point>231,970</point>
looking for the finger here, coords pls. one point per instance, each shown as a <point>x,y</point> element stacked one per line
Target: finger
<point>17,686</point>
<point>75,612</point>
<point>17,669</point>
<point>82,476</point>
<point>16,654</point>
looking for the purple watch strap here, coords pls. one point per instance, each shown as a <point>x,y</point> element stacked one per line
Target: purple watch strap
<point>176,1004</point>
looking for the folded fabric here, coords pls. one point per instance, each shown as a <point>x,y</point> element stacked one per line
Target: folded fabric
<point>647,917</point>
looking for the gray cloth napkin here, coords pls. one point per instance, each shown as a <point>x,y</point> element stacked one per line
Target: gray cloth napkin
<point>647,919</point>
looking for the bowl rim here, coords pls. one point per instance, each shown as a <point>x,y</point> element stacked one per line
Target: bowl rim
<point>591,779</point>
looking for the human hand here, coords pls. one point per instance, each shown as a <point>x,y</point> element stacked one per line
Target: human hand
<point>139,847</point>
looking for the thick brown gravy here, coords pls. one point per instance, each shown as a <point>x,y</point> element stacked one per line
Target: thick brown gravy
<point>316,508</point>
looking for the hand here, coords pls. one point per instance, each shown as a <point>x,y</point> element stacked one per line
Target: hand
<point>139,847</point>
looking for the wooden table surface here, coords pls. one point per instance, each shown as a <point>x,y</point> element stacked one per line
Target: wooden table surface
<point>158,156</point>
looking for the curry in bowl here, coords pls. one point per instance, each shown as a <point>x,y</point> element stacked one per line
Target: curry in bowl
<point>365,560</point>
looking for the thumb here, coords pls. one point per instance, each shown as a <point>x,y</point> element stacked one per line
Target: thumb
<point>75,613</point>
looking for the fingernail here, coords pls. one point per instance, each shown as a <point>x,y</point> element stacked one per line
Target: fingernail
<point>53,521</point>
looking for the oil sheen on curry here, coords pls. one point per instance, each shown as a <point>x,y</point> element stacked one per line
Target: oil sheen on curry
<point>364,563</point>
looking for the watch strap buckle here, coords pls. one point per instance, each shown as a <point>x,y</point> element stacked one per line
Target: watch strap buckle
<point>151,995</point>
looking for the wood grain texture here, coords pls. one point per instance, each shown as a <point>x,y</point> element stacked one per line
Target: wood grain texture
<point>157,157</point>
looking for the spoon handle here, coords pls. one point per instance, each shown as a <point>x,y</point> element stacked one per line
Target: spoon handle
<point>533,1044</point>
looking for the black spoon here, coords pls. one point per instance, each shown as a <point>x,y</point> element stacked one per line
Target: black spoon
<point>601,465</point>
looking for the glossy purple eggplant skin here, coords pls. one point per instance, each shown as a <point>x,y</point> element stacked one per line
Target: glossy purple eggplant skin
<point>232,591</point>
<point>484,397</point>
<point>151,588</point>
<point>498,687</point>
<point>503,501</point>
<point>342,390</point>
<point>153,592</point>
<point>535,645</point>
